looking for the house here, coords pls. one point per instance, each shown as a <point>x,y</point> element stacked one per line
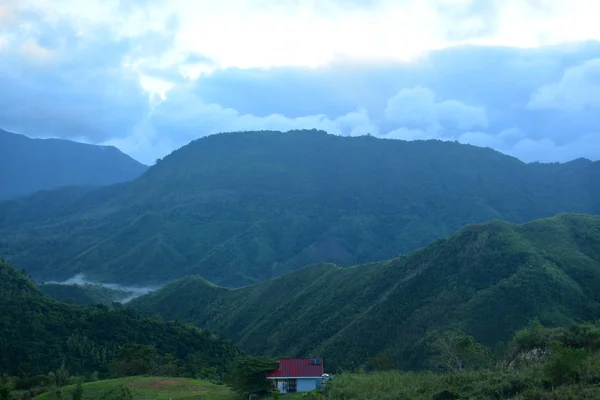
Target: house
<point>297,375</point>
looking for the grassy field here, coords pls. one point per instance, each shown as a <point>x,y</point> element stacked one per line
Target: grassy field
<point>152,388</point>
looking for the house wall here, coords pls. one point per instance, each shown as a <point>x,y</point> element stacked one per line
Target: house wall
<point>307,385</point>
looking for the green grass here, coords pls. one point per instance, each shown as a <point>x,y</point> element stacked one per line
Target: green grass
<point>152,388</point>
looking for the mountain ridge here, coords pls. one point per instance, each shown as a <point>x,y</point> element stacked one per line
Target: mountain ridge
<point>30,165</point>
<point>488,279</point>
<point>243,207</point>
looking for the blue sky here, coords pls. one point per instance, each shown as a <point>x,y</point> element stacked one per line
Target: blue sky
<point>148,76</point>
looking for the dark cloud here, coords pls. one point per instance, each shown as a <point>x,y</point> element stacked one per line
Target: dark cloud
<point>538,104</point>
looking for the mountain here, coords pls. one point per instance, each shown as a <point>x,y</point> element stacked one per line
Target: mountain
<point>30,165</point>
<point>241,208</point>
<point>85,294</point>
<point>488,280</point>
<point>38,334</point>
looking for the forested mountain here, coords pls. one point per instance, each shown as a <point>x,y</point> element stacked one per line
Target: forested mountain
<point>30,165</point>
<point>85,294</point>
<point>240,208</point>
<point>487,280</point>
<point>38,334</point>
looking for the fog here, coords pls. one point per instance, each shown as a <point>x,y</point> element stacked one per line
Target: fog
<point>131,292</point>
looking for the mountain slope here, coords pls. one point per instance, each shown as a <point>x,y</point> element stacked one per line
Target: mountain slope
<point>37,333</point>
<point>488,279</point>
<point>30,165</point>
<point>240,208</point>
<point>85,294</point>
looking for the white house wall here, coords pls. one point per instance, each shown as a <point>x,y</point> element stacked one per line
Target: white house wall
<point>307,385</point>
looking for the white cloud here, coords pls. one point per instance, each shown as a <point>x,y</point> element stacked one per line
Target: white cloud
<point>417,107</point>
<point>34,53</point>
<point>578,89</point>
<point>267,33</point>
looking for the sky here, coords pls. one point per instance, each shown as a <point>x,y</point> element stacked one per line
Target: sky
<point>149,76</point>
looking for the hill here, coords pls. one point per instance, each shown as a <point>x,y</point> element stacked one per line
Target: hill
<point>487,280</point>
<point>85,294</point>
<point>241,208</point>
<point>151,388</point>
<point>30,165</point>
<point>38,334</point>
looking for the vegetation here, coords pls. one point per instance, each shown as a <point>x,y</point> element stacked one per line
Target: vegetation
<point>566,368</point>
<point>30,165</point>
<point>39,335</point>
<point>248,376</point>
<point>241,208</point>
<point>86,294</point>
<point>488,281</point>
<point>148,388</point>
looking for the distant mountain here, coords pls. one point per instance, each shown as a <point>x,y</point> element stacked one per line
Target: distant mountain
<point>30,165</point>
<point>85,294</point>
<point>488,280</point>
<point>240,208</point>
<point>38,334</point>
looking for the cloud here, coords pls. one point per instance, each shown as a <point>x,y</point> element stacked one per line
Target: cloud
<point>150,76</point>
<point>578,89</point>
<point>57,83</point>
<point>275,33</point>
<point>418,108</point>
<point>183,117</point>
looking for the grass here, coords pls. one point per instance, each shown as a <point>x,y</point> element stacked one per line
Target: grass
<point>152,388</point>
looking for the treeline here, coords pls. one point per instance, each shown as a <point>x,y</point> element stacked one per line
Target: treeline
<point>538,364</point>
<point>39,335</point>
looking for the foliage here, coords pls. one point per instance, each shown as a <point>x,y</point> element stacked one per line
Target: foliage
<point>571,372</point>
<point>87,294</point>
<point>241,208</point>
<point>60,377</point>
<point>134,359</point>
<point>29,165</point>
<point>38,334</point>
<point>248,375</point>
<point>455,351</point>
<point>488,280</point>
<point>565,365</point>
<point>78,392</point>
<point>381,362</point>
<point>6,387</point>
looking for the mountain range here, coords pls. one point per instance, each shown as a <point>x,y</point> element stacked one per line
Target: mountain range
<point>30,165</point>
<point>38,334</point>
<point>242,208</point>
<point>488,280</point>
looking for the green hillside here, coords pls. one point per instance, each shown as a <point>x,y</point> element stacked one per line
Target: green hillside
<point>488,280</point>
<point>86,294</point>
<point>38,334</point>
<point>240,208</point>
<point>30,165</point>
<point>150,388</point>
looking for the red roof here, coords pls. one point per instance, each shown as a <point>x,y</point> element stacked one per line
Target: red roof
<point>297,367</point>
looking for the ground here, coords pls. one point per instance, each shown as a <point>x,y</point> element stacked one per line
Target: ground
<point>153,388</point>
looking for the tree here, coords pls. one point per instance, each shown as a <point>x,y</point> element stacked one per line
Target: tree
<point>78,392</point>
<point>6,387</point>
<point>134,359</point>
<point>455,351</point>
<point>249,375</point>
<point>565,365</point>
<point>382,362</point>
<point>60,377</point>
